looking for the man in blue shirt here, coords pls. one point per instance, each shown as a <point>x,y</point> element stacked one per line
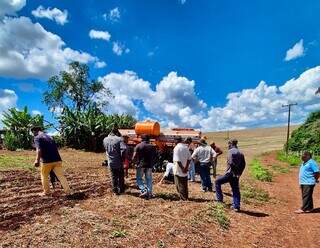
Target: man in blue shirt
<point>308,177</point>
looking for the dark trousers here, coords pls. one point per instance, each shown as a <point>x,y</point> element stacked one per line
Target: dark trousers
<point>204,170</point>
<point>117,176</point>
<point>182,187</point>
<point>307,200</point>
<point>234,183</point>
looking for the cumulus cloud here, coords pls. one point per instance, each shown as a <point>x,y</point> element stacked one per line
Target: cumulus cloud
<point>113,15</point>
<point>36,112</point>
<point>174,101</point>
<point>36,52</point>
<point>96,34</point>
<point>10,7</point>
<point>54,14</point>
<point>295,52</point>
<point>119,48</point>
<point>100,64</point>
<point>8,99</point>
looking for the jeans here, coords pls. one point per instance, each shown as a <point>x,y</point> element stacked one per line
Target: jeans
<point>117,176</point>
<point>234,183</point>
<point>205,176</point>
<point>192,172</point>
<point>147,185</point>
<point>307,200</point>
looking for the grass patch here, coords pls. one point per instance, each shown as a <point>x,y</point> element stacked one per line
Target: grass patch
<point>291,159</point>
<point>119,234</point>
<point>280,169</point>
<point>8,162</point>
<point>259,172</point>
<point>250,193</point>
<point>218,213</point>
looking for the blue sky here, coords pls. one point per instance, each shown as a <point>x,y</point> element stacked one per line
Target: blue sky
<point>207,64</point>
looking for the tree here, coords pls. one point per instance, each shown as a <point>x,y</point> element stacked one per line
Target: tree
<point>17,125</point>
<point>73,89</point>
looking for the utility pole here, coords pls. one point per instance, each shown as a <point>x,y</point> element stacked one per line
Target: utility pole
<point>288,128</point>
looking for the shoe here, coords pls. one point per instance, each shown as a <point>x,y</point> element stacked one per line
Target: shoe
<point>299,211</point>
<point>237,210</point>
<point>143,194</point>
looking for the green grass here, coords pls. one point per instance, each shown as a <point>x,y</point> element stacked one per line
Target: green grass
<point>10,162</point>
<point>259,172</point>
<point>291,159</point>
<point>251,193</point>
<point>280,169</point>
<point>218,213</point>
<point>118,234</point>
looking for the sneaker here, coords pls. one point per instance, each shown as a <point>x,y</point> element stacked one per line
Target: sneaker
<point>143,194</point>
<point>299,211</point>
<point>237,210</point>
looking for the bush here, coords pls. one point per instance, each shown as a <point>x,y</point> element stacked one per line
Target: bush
<point>218,213</point>
<point>11,141</point>
<point>291,159</point>
<point>249,193</point>
<point>59,140</point>
<point>259,172</point>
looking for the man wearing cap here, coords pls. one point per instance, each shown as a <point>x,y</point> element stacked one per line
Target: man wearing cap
<point>181,160</point>
<point>205,155</point>
<point>144,154</point>
<point>112,145</point>
<point>49,158</point>
<point>235,166</point>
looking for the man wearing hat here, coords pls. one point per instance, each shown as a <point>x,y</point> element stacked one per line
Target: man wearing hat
<point>205,155</point>
<point>48,155</point>
<point>181,160</point>
<point>235,166</point>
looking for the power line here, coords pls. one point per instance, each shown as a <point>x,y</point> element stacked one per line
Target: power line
<point>288,128</point>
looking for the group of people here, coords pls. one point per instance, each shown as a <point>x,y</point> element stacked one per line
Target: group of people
<point>185,156</point>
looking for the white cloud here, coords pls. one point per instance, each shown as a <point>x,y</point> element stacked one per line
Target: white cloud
<point>103,35</point>
<point>100,64</point>
<point>295,52</point>
<point>54,14</point>
<point>36,52</point>
<point>36,112</point>
<point>183,1</point>
<point>174,101</point>
<point>10,7</point>
<point>8,99</point>
<point>119,48</point>
<point>113,15</point>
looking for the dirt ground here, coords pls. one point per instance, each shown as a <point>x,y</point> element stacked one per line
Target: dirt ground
<point>104,220</point>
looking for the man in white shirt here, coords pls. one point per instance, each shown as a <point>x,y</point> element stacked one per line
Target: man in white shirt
<point>181,160</point>
<point>168,175</point>
<point>205,155</point>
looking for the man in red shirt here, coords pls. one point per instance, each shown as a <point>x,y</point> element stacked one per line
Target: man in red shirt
<point>215,160</point>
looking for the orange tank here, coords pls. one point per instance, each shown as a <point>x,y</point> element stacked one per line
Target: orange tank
<point>151,128</point>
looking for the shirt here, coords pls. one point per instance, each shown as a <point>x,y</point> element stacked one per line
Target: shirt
<point>169,169</point>
<point>146,154</point>
<point>112,145</point>
<point>48,148</point>
<point>180,153</point>
<point>235,161</point>
<point>204,154</point>
<point>306,173</point>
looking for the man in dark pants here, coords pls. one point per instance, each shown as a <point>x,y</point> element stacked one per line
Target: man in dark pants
<point>235,166</point>
<point>308,177</point>
<point>112,144</point>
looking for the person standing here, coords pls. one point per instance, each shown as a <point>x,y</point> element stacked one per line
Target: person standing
<point>205,155</point>
<point>235,166</point>
<point>215,160</point>
<point>144,154</point>
<point>112,145</point>
<point>181,160</point>
<point>47,155</point>
<point>308,177</point>
<point>192,169</point>
<point>125,155</point>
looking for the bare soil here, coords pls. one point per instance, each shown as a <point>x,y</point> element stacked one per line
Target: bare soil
<point>104,220</point>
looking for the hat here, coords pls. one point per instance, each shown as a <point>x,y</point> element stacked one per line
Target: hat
<point>178,139</point>
<point>203,141</point>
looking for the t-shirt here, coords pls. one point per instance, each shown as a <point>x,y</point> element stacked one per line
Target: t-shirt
<point>306,174</point>
<point>48,148</point>
<point>169,169</point>
<point>204,154</point>
<point>180,153</point>
<point>146,154</point>
<point>112,145</point>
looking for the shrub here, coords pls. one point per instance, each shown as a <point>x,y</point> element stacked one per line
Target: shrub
<point>218,213</point>
<point>259,172</point>
<point>249,192</point>
<point>291,159</point>
<point>11,141</point>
